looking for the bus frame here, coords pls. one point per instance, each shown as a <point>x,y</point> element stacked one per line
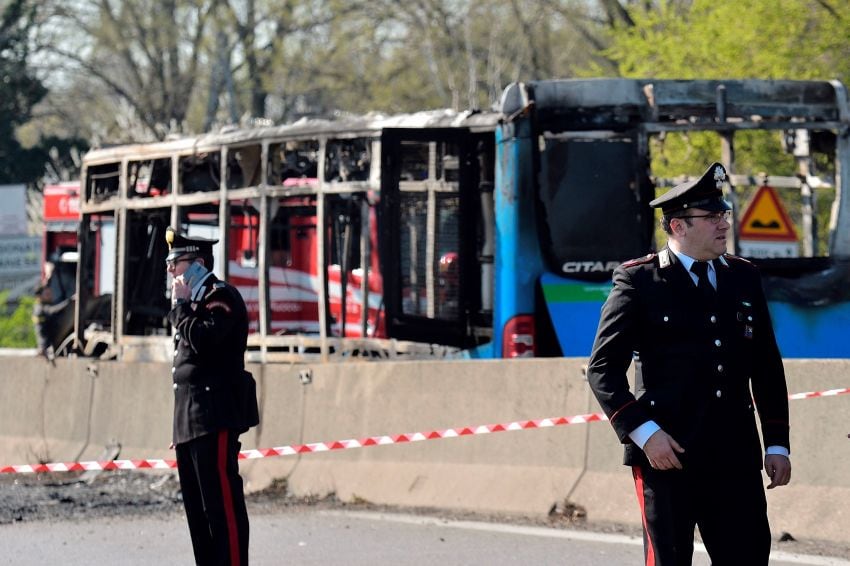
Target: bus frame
<point>490,289</point>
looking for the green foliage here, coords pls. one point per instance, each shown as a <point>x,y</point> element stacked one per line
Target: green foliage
<point>16,328</point>
<point>736,39</point>
<point>780,39</point>
<point>733,39</point>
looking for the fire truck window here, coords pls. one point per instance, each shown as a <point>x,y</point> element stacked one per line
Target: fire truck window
<point>200,172</point>
<point>293,163</point>
<point>354,302</point>
<point>102,182</point>
<point>347,160</point>
<point>293,269</point>
<point>245,224</point>
<point>149,178</point>
<point>345,231</point>
<point>242,264</point>
<point>243,166</point>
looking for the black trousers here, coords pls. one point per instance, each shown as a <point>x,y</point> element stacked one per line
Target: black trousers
<point>727,505</point>
<point>214,499</point>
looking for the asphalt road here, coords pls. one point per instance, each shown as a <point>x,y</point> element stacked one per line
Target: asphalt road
<point>306,536</point>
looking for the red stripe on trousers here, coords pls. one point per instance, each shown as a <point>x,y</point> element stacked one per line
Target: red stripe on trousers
<point>650,548</point>
<point>227,497</point>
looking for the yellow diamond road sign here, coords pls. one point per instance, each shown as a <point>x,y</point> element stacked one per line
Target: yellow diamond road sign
<point>767,219</point>
<point>766,230</point>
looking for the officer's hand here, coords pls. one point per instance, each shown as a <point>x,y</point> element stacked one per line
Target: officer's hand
<point>171,446</point>
<point>778,468</point>
<point>661,451</point>
<point>179,290</point>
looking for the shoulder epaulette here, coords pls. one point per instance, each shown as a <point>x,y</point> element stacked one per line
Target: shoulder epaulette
<point>638,261</point>
<point>734,257</point>
<point>215,287</point>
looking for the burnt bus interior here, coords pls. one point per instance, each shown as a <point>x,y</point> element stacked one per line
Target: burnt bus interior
<point>303,228</point>
<point>404,219</point>
<point>594,193</point>
<point>598,143</point>
<point>437,234</point>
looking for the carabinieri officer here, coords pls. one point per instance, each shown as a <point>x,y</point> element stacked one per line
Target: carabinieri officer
<point>694,321</point>
<point>214,400</point>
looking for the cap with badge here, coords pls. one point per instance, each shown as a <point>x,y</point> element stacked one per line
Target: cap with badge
<point>179,245</point>
<point>704,193</point>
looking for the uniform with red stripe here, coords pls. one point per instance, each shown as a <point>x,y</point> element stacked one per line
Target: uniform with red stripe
<point>214,402</point>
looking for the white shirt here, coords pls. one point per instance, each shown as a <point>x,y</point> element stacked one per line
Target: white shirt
<point>196,290</point>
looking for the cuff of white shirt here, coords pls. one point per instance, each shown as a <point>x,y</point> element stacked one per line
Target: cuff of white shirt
<point>642,433</point>
<point>781,450</point>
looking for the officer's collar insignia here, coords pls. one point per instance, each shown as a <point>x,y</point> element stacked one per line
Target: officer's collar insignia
<point>664,258</point>
<point>723,261</point>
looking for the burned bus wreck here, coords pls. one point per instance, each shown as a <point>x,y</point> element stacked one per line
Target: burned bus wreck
<point>476,234</point>
<point>298,215</point>
<point>589,147</point>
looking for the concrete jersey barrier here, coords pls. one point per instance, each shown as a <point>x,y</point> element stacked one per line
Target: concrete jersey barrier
<point>72,410</point>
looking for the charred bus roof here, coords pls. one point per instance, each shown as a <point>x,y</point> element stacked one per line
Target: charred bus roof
<point>664,105</point>
<point>368,125</point>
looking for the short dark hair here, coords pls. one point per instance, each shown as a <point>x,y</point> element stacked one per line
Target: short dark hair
<point>209,262</point>
<point>665,222</point>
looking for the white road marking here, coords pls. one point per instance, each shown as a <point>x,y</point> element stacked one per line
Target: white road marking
<point>561,534</point>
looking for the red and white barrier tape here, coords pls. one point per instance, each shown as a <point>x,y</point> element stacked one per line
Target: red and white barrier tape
<point>812,394</point>
<point>293,449</point>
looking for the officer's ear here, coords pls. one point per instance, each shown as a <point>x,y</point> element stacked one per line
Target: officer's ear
<point>201,261</point>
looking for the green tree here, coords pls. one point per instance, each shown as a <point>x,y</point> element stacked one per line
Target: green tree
<point>732,39</point>
<point>781,39</point>
<point>16,327</point>
<point>735,39</point>
<point>20,90</point>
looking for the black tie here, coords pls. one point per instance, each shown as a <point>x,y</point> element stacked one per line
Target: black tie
<point>700,269</point>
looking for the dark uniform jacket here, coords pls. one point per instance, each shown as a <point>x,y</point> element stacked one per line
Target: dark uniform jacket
<point>699,363</point>
<point>212,390</point>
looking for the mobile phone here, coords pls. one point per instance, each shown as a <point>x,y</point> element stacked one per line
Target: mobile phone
<point>193,274</point>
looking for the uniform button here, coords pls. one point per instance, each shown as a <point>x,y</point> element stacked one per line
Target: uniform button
<point>207,388</point>
<point>175,387</point>
<point>718,343</point>
<point>173,370</point>
<point>177,336</point>
<point>713,319</point>
<point>750,318</point>
<point>652,403</point>
<point>175,353</point>
<point>719,394</point>
<point>666,319</point>
<point>720,368</point>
